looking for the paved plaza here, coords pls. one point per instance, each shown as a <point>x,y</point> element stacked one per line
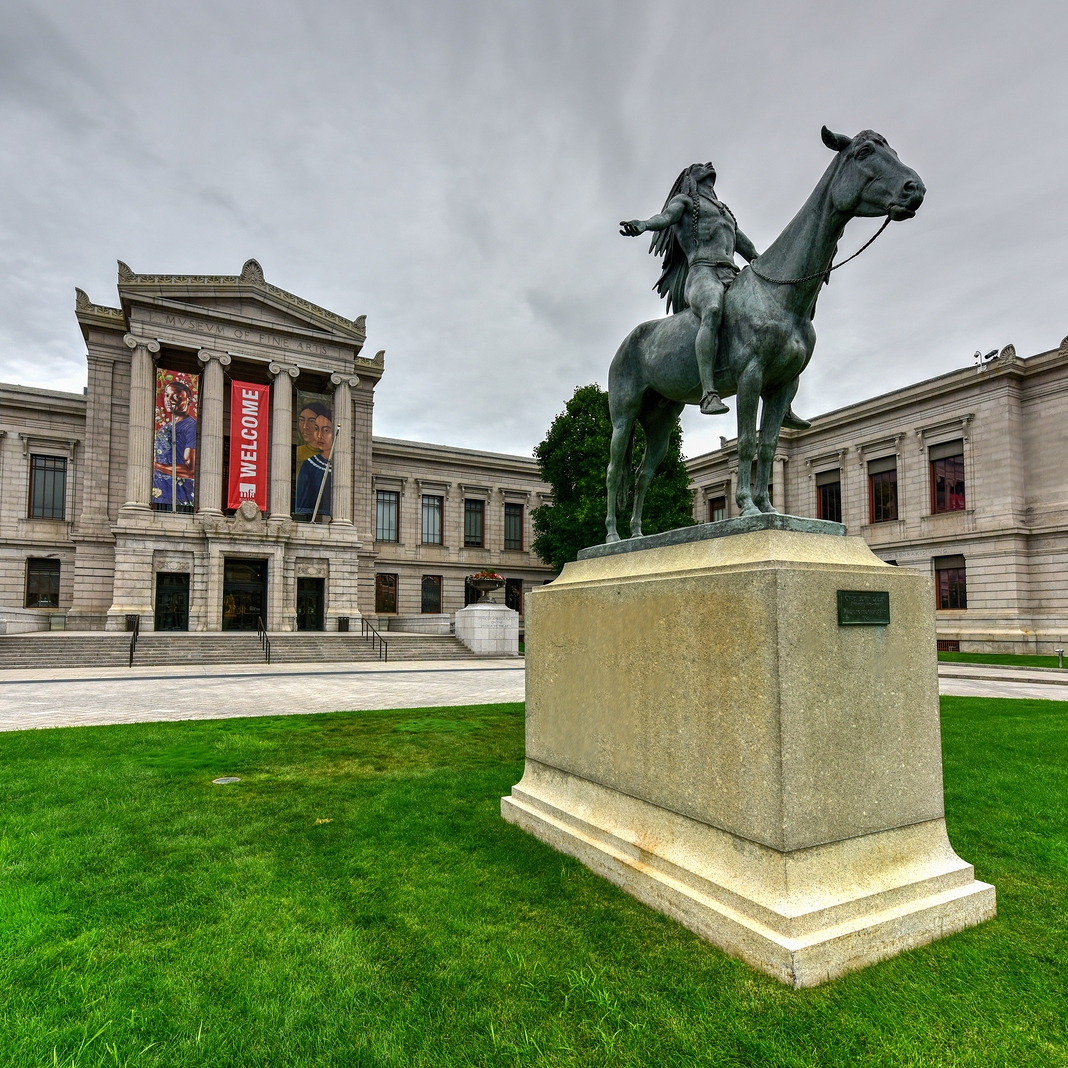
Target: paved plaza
<point>91,696</point>
<point>70,697</point>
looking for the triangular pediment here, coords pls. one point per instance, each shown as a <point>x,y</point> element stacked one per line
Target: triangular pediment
<point>246,297</point>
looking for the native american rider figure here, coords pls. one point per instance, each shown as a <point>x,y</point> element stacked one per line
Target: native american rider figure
<point>698,236</point>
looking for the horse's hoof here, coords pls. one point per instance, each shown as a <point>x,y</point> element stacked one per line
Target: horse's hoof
<point>750,509</point>
<point>770,510</point>
<point>611,538</point>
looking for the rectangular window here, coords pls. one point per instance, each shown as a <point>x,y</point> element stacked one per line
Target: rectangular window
<point>717,509</point>
<point>882,489</point>
<point>947,476</point>
<point>474,515</point>
<point>513,595</point>
<point>385,594</point>
<point>829,495</point>
<point>431,593</point>
<point>48,487</point>
<point>951,585</point>
<point>42,583</point>
<point>432,509</point>
<point>388,506</point>
<point>513,526</point>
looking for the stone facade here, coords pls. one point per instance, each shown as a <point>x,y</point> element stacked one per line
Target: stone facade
<point>111,543</point>
<point>1008,544</point>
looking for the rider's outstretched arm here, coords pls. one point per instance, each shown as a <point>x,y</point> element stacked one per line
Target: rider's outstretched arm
<point>668,217</point>
<point>744,247</point>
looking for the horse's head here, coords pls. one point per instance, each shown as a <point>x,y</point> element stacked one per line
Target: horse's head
<point>870,179</point>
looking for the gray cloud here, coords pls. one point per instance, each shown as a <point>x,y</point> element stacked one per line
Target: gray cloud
<point>456,172</point>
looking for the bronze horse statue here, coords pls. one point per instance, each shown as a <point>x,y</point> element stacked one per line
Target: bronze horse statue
<point>766,335</point>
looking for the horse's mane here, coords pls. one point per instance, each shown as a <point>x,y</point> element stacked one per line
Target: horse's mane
<point>672,281</point>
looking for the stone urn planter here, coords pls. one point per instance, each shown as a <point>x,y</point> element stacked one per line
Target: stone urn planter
<point>485,584</point>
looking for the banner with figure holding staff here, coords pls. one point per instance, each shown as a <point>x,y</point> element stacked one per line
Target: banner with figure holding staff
<point>313,481</point>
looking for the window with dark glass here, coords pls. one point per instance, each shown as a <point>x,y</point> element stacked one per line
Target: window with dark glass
<point>951,584</point>
<point>513,595</point>
<point>513,526</point>
<point>947,476</point>
<point>717,509</point>
<point>42,583</point>
<point>387,504</point>
<point>474,516</point>
<point>385,593</point>
<point>432,509</point>
<point>882,489</point>
<point>48,486</point>
<point>431,593</point>
<point>829,495</point>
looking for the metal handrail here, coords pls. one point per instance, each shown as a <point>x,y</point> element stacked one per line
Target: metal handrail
<point>133,637</point>
<point>383,649</point>
<point>265,642</point>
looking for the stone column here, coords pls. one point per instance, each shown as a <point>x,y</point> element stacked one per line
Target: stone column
<point>282,439</point>
<point>209,491</point>
<point>778,482</point>
<point>341,455</point>
<point>142,412</point>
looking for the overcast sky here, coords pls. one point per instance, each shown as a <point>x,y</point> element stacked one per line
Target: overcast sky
<point>456,171</point>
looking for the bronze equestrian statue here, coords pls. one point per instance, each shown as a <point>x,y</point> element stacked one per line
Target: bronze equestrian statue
<point>747,333</point>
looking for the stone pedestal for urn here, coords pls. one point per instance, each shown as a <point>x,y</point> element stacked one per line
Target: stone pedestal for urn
<point>488,629</point>
<point>742,731</point>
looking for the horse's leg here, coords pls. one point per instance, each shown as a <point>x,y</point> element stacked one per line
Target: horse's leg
<point>775,408</point>
<point>658,420</point>
<point>749,383</point>
<point>624,410</point>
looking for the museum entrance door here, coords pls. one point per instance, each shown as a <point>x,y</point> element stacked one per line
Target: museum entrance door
<point>244,593</point>
<point>172,600</point>
<point>310,604</point>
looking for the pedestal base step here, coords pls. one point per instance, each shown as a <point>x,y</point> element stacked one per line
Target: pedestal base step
<point>859,932</point>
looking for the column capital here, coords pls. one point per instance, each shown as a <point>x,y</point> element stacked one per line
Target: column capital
<point>277,369</point>
<point>132,341</point>
<point>207,355</point>
<point>351,380</point>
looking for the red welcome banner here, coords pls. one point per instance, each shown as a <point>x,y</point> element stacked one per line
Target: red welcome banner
<point>250,417</point>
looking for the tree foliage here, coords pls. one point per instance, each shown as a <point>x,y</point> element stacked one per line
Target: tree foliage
<point>573,459</point>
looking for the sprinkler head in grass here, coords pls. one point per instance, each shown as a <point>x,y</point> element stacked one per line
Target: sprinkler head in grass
<point>225,780</point>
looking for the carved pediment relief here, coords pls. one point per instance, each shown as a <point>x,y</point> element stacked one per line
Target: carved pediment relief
<point>229,294</point>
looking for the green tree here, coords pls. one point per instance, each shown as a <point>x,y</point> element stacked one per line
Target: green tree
<point>573,459</point>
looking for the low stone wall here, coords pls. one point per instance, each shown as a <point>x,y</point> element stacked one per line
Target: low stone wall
<point>429,623</point>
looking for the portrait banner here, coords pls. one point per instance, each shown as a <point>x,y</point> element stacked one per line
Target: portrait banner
<point>250,420</point>
<point>174,444</point>
<point>312,474</point>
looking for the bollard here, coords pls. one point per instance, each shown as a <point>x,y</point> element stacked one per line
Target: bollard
<point>1060,657</point>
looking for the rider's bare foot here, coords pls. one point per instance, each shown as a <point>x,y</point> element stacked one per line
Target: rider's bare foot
<point>792,421</point>
<point>712,405</point>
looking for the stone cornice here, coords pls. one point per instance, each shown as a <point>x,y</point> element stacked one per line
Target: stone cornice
<point>131,284</point>
<point>90,314</point>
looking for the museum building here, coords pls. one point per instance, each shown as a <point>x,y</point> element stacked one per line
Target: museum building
<point>964,476</point>
<point>220,473</point>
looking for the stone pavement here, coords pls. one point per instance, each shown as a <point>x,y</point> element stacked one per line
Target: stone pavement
<point>993,680</point>
<point>82,696</point>
<point>91,696</point>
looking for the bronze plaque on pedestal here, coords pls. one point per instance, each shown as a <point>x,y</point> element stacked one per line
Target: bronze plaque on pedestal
<point>863,608</point>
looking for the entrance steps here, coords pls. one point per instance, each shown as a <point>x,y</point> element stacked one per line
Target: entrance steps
<point>48,651</point>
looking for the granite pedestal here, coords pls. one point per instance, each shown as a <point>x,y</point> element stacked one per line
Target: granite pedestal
<point>488,629</point>
<point>705,733</point>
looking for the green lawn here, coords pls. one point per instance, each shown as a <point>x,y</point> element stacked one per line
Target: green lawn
<point>357,900</point>
<point>1010,659</point>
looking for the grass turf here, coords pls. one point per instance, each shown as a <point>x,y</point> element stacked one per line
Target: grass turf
<point>1008,659</point>
<point>357,900</point>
